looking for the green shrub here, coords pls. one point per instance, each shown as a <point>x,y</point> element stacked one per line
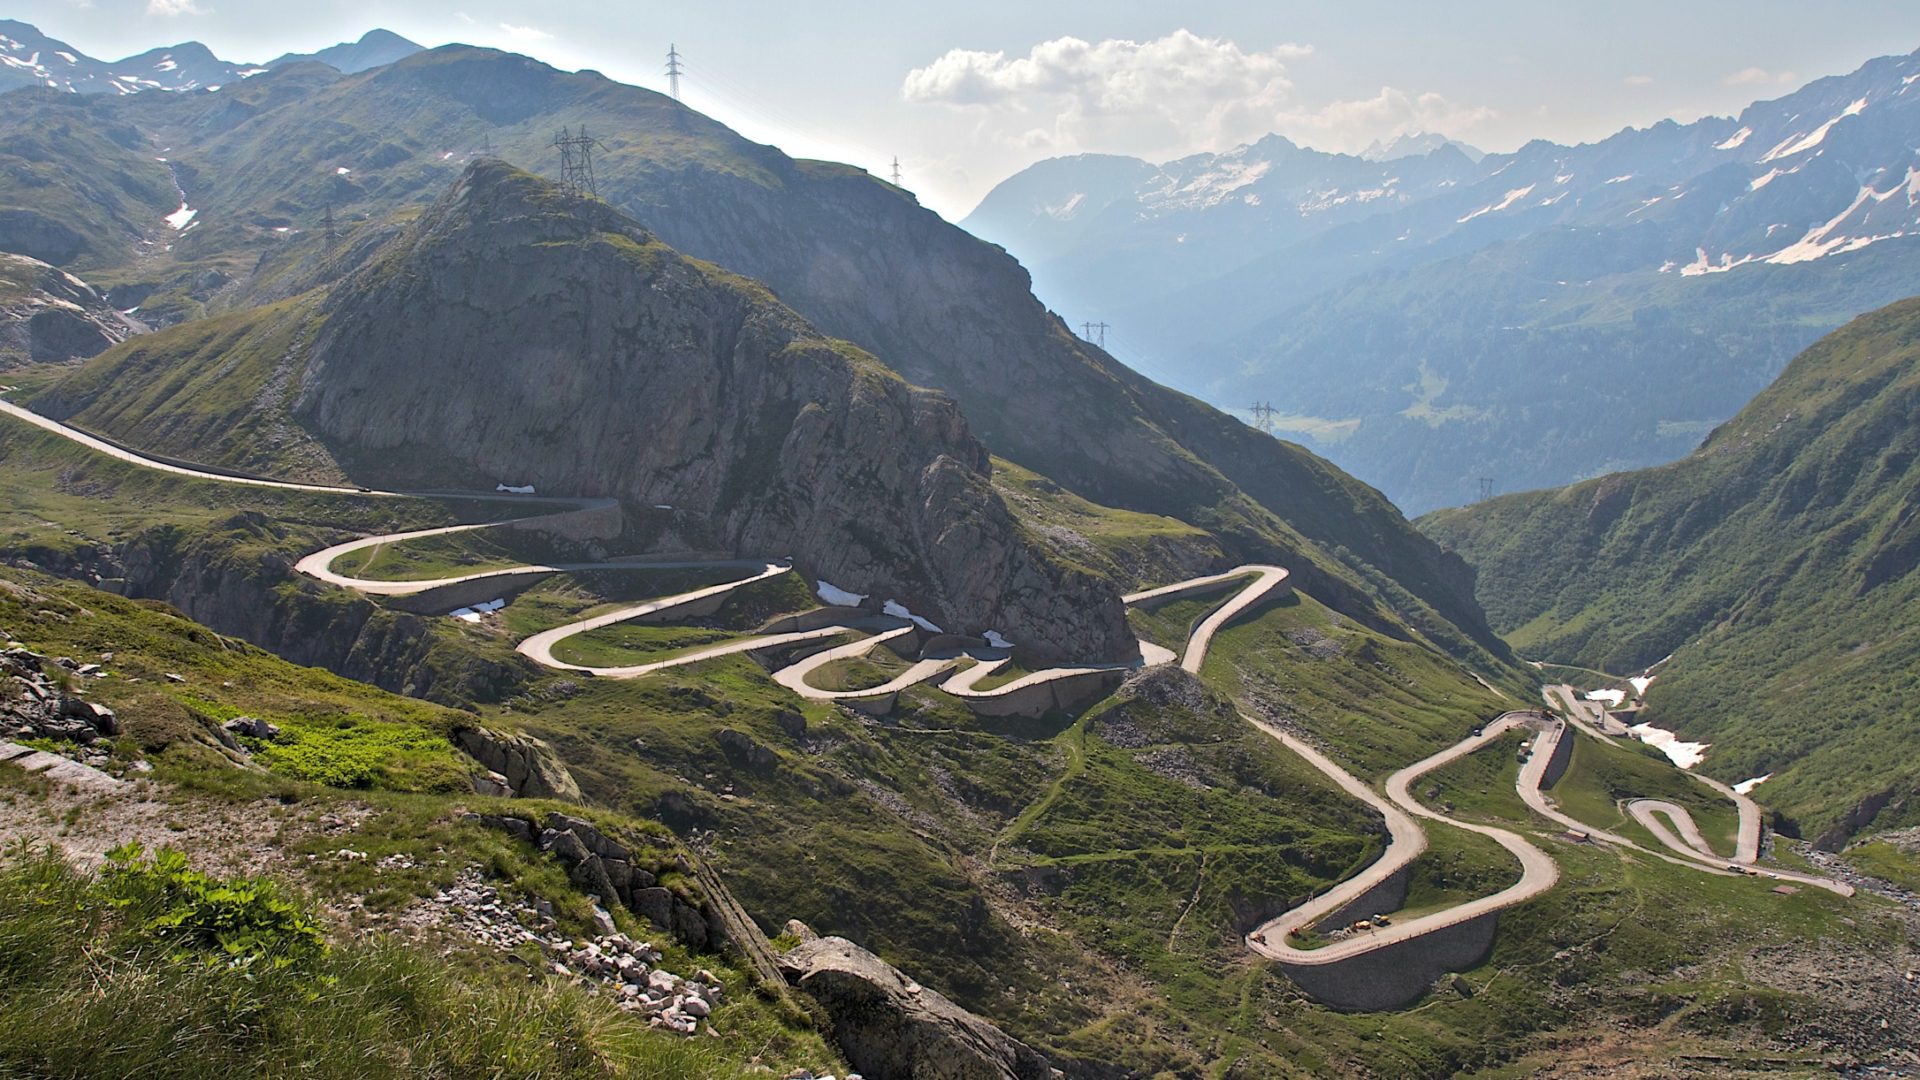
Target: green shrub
<point>355,752</point>
<point>239,922</point>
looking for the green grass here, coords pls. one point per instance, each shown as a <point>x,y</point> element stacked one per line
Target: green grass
<point>1168,624</point>
<point>629,643</point>
<point>566,598</point>
<point>1457,866</point>
<point>877,667</point>
<point>381,760</point>
<point>1602,777</point>
<point>1128,547</point>
<point>1372,701</point>
<point>1887,861</point>
<point>428,558</point>
<point>97,980</point>
<point>1008,672</point>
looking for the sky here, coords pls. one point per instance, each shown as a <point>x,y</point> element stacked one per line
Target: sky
<point>966,95</point>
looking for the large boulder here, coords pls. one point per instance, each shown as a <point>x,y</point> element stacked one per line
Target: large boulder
<point>530,766</point>
<point>892,1028</point>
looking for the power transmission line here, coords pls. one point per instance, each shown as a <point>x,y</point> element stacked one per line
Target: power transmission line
<point>576,161</point>
<point>1486,488</point>
<point>896,170</point>
<point>1263,414</point>
<point>673,70</point>
<point>328,230</point>
<point>1089,330</point>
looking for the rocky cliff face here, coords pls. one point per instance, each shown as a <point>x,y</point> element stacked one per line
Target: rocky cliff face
<point>520,335</point>
<point>47,314</point>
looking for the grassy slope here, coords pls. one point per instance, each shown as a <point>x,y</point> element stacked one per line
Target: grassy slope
<point>89,183</point>
<point>1371,701</point>
<point>1776,560</point>
<point>384,761</point>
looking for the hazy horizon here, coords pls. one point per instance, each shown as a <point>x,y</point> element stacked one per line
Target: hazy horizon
<point>967,99</point>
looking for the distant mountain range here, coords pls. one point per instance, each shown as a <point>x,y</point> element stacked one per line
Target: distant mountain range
<point>1433,319</point>
<point>31,58</point>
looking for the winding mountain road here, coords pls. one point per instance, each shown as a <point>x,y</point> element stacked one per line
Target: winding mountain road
<point>1680,834</point>
<point>1406,840</point>
<point>1406,837</point>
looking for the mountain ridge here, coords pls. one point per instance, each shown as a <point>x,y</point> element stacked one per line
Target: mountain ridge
<point>1770,575</point>
<point>757,431</point>
<point>1241,302</point>
<point>29,57</point>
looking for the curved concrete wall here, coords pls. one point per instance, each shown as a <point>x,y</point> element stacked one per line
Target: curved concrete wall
<point>1387,896</point>
<point>1065,693</point>
<point>1399,974</point>
<point>1557,764</point>
<point>468,593</point>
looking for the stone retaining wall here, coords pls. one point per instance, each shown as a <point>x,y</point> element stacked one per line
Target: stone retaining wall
<point>1397,975</point>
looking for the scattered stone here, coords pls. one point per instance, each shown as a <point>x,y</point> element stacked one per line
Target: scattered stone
<point>173,678</point>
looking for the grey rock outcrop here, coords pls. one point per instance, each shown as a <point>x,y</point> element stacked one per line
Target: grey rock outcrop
<point>517,332</point>
<point>892,1028</point>
<point>35,705</point>
<point>530,767</point>
<point>50,315</point>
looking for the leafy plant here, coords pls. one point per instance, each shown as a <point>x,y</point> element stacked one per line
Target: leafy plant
<point>240,922</point>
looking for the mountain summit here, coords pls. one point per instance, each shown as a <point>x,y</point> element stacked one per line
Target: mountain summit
<point>374,49</point>
<point>31,58</point>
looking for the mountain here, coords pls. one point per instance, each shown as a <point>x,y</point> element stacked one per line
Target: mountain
<point>262,161</point>
<point>1104,235</point>
<point>1405,146</point>
<point>468,352</point>
<point>31,58</point>
<point>1775,565</point>
<point>1469,322</point>
<point>375,48</point>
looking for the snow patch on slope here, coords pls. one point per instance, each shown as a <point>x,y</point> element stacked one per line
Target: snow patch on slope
<point>1512,197</point>
<point>1792,145</point>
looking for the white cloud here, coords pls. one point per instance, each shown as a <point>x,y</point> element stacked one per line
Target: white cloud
<point>524,33</point>
<point>1169,96</point>
<point>1638,80</point>
<point>1754,76</point>
<point>174,7</point>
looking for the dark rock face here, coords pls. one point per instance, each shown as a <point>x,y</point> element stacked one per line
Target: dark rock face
<point>519,334</point>
<point>54,316</point>
<point>530,767</point>
<point>244,595</point>
<point>891,1027</point>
